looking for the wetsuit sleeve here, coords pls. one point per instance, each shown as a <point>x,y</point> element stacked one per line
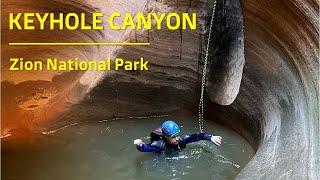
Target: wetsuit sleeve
<point>156,146</point>
<point>186,139</point>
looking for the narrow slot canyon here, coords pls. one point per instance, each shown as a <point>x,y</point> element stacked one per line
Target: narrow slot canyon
<point>262,79</point>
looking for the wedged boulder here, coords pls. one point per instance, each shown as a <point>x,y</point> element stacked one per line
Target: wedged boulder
<point>226,52</point>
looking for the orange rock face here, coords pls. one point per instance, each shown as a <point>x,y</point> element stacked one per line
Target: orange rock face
<point>37,99</point>
<point>275,93</point>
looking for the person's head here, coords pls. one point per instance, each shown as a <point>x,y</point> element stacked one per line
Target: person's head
<point>171,130</point>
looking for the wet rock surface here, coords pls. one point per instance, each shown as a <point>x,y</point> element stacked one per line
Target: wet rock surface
<point>279,93</point>
<point>276,108</point>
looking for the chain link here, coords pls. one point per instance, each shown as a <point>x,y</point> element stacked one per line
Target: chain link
<point>203,80</point>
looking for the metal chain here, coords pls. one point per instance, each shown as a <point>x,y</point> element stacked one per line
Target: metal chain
<point>203,80</point>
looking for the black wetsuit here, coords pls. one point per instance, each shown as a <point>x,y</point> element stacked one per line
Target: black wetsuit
<point>159,144</point>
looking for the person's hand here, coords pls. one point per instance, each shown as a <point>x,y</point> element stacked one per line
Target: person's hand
<point>137,142</point>
<point>216,140</point>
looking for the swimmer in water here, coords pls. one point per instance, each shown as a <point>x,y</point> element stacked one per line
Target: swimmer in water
<point>167,138</point>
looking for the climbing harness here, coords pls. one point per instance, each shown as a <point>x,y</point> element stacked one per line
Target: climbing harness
<point>203,80</point>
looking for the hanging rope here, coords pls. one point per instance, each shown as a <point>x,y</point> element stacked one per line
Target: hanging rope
<point>203,80</point>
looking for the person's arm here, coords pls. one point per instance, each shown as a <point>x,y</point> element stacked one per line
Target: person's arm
<point>201,136</point>
<point>156,146</point>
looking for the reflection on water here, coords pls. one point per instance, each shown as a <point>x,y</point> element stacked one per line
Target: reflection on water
<point>105,150</point>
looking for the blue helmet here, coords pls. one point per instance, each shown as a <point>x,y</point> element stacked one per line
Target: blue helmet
<point>170,128</point>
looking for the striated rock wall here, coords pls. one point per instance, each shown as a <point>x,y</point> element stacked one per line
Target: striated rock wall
<point>279,93</point>
<point>273,95</point>
<point>34,100</point>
